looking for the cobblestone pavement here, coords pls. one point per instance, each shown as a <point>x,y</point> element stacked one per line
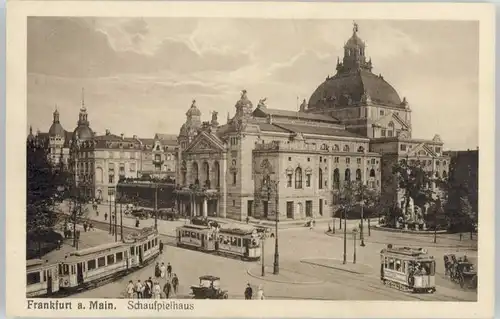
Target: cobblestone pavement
<point>295,245</point>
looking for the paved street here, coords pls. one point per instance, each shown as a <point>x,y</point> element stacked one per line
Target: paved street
<point>298,246</point>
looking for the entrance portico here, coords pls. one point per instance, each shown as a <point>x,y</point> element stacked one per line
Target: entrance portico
<point>193,202</point>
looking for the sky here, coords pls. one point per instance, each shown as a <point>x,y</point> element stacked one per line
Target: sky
<point>140,74</point>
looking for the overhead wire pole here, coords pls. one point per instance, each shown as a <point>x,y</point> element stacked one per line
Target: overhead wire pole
<point>121,219</point>
<point>276,269</point>
<point>109,198</point>
<point>156,206</point>
<point>115,221</point>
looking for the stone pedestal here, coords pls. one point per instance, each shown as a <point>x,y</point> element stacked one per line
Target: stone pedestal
<point>417,227</point>
<point>406,226</point>
<point>424,226</point>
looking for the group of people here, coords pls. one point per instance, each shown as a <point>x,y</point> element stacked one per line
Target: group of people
<point>249,293</point>
<point>150,289</point>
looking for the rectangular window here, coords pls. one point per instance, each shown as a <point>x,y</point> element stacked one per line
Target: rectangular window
<point>348,160</point>
<point>308,180</point>
<point>101,262</point>
<point>309,207</point>
<point>402,147</point>
<point>111,259</point>
<point>381,112</point>
<point>382,132</point>
<point>132,251</point>
<point>337,159</point>
<point>358,160</point>
<point>234,178</point>
<point>111,179</point>
<point>389,133</point>
<point>289,180</point>
<point>33,278</point>
<point>91,264</point>
<point>122,169</point>
<point>373,161</point>
<point>438,149</point>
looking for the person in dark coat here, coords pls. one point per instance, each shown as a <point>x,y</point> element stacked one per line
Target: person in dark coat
<point>169,270</point>
<point>105,216</point>
<point>161,247</point>
<point>137,222</point>
<point>175,283</point>
<point>248,292</point>
<point>157,270</point>
<point>167,289</point>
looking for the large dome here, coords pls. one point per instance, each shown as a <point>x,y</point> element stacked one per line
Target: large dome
<point>83,132</point>
<point>56,129</point>
<point>354,88</point>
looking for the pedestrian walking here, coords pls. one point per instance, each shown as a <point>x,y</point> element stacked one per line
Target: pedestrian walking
<point>260,293</point>
<point>97,213</point>
<point>147,291</point>
<point>167,288</point>
<point>157,270</point>
<point>137,222</point>
<point>91,227</point>
<point>105,216</point>
<point>157,290</point>
<point>139,289</point>
<point>149,284</point>
<point>248,292</point>
<point>161,247</point>
<point>169,270</point>
<point>175,283</point>
<point>163,270</point>
<point>130,289</point>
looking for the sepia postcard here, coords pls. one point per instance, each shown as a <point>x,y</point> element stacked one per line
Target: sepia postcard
<point>250,159</point>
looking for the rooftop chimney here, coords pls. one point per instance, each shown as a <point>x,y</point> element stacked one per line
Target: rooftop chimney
<point>108,132</point>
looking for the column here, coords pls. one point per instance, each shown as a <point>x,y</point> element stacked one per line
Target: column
<point>223,187</point>
<point>204,207</point>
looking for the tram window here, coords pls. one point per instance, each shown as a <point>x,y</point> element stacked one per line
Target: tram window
<point>111,259</point>
<point>91,264</point>
<point>239,242</point>
<point>404,267</point>
<point>197,235</point>
<point>101,262</point>
<point>145,247</point>
<point>132,251</point>
<point>156,241</point>
<point>149,245</point>
<point>391,264</point>
<point>398,265</point>
<point>65,269</point>
<point>73,269</point>
<point>45,275</point>
<point>137,250</point>
<point>33,278</point>
<point>119,256</point>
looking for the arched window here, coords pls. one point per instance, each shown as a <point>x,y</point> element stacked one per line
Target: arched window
<point>217,174</point>
<point>372,173</point>
<point>320,179</point>
<point>195,174</point>
<point>347,176</point>
<point>206,174</point>
<point>298,178</point>
<point>336,178</point>
<point>358,175</point>
<point>361,149</point>
<point>445,174</point>
<point>346,148</point>
<point>336,148</point>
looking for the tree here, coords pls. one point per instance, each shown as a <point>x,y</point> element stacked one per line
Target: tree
<point>43,193</point>
<point>416,183</point>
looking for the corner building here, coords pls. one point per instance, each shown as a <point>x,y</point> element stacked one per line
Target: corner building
<point>355,127</point>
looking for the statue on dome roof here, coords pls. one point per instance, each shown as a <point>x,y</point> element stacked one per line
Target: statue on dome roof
<point>244,94</point>
<point>262,103</point>
<point>303,106</point>
<point>355,27</point>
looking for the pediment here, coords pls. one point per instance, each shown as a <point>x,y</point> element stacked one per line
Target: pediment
<point>392,117</point>
<point>422,150</point>
<point>205,143</point>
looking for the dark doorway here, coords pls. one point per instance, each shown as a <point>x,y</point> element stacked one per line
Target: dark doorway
<point>309,205</point>
<point>49,281</point>
<point>250,208</point>
<point>289,209</point>
<point>265,207</point>
<point>321,206</point>
<point>79,273</point>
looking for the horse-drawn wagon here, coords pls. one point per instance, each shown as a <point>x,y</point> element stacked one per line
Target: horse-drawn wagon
<point>460,271</point>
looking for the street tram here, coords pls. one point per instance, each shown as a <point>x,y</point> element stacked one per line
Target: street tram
<point>95,266</point>
<point>408,269</point>
<point>41,278</point>
<point>226,240</point>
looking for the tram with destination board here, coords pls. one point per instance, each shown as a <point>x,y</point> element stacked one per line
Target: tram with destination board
<point>95,266</point>
<point>226,240</point>
<point>408,269</point>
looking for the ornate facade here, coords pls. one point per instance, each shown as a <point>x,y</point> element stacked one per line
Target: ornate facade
<point>263,160</point>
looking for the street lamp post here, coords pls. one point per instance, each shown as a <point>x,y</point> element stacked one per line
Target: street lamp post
<point>345,239</point>
<point>109,198</point>
<point>354,231</point>
<point>369,228</point>
<point>115,217</point>
<point>262,246</point>
<point>276,247</point>
<point>156,206</point>
<point>361,236</point>
<point>121,221</point>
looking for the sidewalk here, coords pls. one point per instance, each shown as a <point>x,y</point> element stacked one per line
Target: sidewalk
<point>337,264</point>
<point>284,277</point>
<point>87,239</point>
